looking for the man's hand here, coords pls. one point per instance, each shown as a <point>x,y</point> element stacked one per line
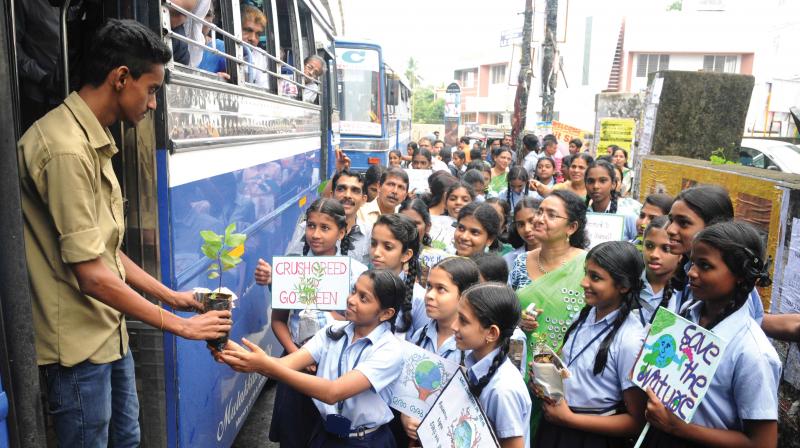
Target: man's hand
<point>185,301</point>
<point>263,273</point>
<point>342,161</point>
<point>211,325</point>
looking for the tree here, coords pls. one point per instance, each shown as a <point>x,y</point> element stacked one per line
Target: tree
<point>523,83</point>
<point>549,71</point>
<point>427,110</point>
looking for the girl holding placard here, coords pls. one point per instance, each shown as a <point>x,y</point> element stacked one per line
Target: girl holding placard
<point>355,360</point>
<point>447,279</point>
<point>325,228</point>
<point>660,266</point>
<point>693,210</point>
<point>394,245</point>
<point>602,196</point>
<point>488,313</point>
<point>740,407</point>
<point>602,407</point>
<point>477,229</point>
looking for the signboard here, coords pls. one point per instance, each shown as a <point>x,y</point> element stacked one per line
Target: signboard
<point>511,37</point>
<point>678,361</point>
<point>322,283</point>
<point>543,128</point>
<point>565,133</point>
<point>357,59</point>
<point>422,379</point>
<point>452,101</point>
<point>418,180</point>
<point>442,233</point>
<point>616,131</point>
<point>602,227</point>
<point>456,419</point>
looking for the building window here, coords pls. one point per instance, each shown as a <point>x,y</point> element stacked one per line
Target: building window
<point>499,74</point>
<point>720,63</point>
<point>649,63</point>
<point>469,79</point>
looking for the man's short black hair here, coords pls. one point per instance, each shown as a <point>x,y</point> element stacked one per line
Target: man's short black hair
<point>348,173</point>
<point>123,43</point>
<point>395,172</point>
<point>475,154</point>
<point>464,140</point>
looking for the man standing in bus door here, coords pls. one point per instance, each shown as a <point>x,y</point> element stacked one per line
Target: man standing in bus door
<point>74,225</point>
<point>392,191</point>
<point>254,23</point>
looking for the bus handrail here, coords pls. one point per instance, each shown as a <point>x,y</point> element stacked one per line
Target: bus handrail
<point>173,6</point>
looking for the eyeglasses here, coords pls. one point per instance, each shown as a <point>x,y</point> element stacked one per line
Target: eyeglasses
<point>550,215</point>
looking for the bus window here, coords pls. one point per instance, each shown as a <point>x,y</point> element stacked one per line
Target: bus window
<point>359,90</point>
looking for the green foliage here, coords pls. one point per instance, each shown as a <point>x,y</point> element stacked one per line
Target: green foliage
<point>427,110</point>
<point>306,288</point>
<point>677,5</point>
<point>224,250</point>
<point>718,157</point>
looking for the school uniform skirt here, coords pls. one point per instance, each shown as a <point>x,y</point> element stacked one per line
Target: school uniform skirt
<point>380,438</point>
<point>550,435</point>
<point>294,418</point>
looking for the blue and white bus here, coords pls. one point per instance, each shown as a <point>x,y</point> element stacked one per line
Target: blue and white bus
<point>224,146</point>
<point>375,116</point>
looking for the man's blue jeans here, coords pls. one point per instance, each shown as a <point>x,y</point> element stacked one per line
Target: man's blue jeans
<point>94,405</point>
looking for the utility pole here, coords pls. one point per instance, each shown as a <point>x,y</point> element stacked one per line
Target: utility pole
<point>549,71</point>
<point>523,83</point>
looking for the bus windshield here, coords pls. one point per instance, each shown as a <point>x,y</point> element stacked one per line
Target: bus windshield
<point>359,91</point>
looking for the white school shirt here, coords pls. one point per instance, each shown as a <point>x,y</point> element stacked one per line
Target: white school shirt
<point>745,385</point>
<point>381,362</point>
<point>601,393</point>
<point>505,399</point>
<point>447,350</point>
<point>650,300</point>
<point>754,306</point>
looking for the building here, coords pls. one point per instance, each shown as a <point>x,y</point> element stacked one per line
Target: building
<point>487,96</point>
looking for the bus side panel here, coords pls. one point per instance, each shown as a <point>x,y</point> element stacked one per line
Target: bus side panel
<point>265,199</point>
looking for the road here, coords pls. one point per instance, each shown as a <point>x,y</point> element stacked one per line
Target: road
<point>255,431</point>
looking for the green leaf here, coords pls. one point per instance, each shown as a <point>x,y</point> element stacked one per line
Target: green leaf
<point>235,239</point>
<point>213,275</point>
<point>213,267</point>
<point>210,237</point>
<point>229,262</point>
<point>228,230</point>
<point>208,251</point>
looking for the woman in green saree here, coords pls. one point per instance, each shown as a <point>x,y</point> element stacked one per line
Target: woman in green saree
<point>501,160</point>
<point>555,271</point>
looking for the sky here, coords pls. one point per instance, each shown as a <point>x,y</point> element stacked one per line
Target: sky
<point>436,33</point>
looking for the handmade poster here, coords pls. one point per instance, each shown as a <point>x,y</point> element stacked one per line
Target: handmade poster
<point>616,131</point>
<point>678,361</point>
<point>418,180</point>
<point>423,377</point>
<point>456,419</point>
<point>321,283</point>
<point>565,133</point>
<point>602,227</point>
<point>428,257</point>
<point>442,233</point>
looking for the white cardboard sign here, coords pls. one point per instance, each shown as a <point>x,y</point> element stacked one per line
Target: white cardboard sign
<point>321,283</point>
<point>603,227</point>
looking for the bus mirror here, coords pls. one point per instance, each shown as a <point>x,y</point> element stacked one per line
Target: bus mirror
<point>393,94</point>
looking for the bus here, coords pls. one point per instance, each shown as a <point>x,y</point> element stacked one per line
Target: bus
<point>374,105</point>
<point>242,145</point>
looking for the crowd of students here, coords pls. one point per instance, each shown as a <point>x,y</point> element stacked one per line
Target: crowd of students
<point>513,241</point>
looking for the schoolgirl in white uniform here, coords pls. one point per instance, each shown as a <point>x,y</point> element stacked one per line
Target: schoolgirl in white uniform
<point>294,414</point>
<point>394,245</point>
<point>446,280</point>
<point>660,266</point>
<point>488,313</point>
<point>356,361</point>
<point>602,407</point>
<point>741,405</point>
<point>693,210</point>
<point>602,196</point>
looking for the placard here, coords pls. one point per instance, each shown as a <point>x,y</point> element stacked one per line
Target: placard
<point>678,361</point>
<point>456,419</point>
<point>422,379</point>
<point>321,283</point>
<point>418,180</point>
<point>616,131</point>
<point>442,233</point>
<point>602,227</point>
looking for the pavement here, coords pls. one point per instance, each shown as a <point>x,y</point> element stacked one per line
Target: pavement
<point>255,430</point>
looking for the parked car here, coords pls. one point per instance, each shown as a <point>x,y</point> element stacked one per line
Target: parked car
<point>770,154</point>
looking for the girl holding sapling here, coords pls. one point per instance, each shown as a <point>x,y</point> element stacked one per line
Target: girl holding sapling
<point>660,266</point>
<point>602,407</point>
<point>325,229</point>
<point>488,313</point>
<point>447,279</point>
<point>394,245</point>
<point>740,408</point>
<point>356,362</point>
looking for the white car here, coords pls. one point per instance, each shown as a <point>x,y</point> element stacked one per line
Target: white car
<point>770,154</point>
